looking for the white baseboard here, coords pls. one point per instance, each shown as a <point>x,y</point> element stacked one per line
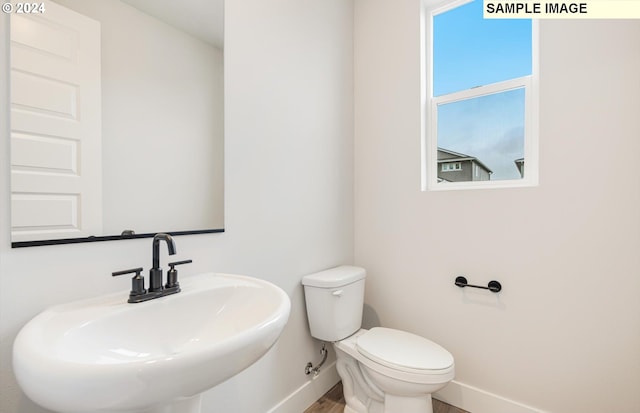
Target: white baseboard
<point>473,399</point>
<point>463,396</point>
<point>309,392</point>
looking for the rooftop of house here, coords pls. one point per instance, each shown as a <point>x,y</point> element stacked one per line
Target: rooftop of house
<point>457,156</point>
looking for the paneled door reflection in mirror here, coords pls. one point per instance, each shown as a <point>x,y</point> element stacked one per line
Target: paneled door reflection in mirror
<point>116,120</point>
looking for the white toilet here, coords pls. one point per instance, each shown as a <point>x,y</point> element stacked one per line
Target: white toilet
<point>382,370</point>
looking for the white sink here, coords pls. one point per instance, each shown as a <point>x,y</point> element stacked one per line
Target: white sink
<point>105,355</point>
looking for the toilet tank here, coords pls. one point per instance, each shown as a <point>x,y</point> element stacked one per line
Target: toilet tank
<point>334,299</point>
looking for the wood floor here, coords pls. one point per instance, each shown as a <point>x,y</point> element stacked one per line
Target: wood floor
<point>333,402</point>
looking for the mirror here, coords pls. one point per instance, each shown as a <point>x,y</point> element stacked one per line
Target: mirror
<point>116,120</point>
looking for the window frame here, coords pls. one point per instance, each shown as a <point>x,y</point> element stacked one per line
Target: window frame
<point>429,126</point>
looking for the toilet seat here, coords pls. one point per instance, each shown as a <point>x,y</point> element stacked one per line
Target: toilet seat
<point>404,374</point>
<point>403,351</point>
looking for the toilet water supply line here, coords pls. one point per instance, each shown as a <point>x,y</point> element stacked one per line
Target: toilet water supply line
<point>315,370</point>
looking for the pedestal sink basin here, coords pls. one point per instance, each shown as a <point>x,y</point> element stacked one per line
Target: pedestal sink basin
<point>105,355</point>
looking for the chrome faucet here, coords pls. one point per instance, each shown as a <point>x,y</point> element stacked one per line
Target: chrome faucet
<point>155,273</point>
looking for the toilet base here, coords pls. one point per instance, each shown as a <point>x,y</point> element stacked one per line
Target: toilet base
<point>397,404</point>
<point>402,405</point>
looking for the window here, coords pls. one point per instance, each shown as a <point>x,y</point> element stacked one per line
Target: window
<point>481,98</point>
<point>451,166</point>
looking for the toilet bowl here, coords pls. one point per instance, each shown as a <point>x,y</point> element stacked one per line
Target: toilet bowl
<point>383,370</point>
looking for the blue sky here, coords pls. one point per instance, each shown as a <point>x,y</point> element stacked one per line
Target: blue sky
<point>470,51</point>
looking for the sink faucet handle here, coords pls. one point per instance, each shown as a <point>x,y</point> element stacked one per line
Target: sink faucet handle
<point>137,282</point>
<point>172,264</point>
<point>172,274</point>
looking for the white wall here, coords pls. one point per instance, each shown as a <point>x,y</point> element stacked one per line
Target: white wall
<point>564,335</point>
<point>289,190</point>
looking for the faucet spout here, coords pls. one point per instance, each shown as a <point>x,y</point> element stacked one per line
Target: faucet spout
<point>155,273</point>
<point>171,245</point>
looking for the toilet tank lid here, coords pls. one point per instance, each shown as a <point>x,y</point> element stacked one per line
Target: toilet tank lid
<point>335,277</point>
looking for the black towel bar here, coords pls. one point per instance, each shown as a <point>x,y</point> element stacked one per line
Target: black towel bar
<point>493,286</point>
